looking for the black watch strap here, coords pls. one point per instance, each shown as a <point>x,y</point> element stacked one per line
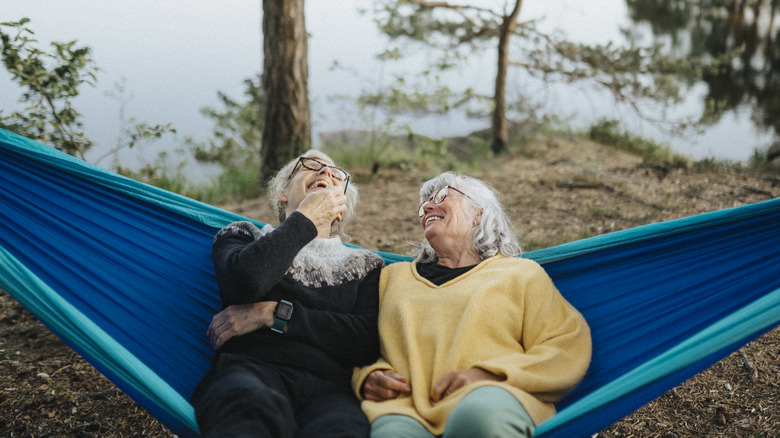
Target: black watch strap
<point>282,314</point>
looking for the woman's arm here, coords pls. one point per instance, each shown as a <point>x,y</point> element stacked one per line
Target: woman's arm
<point>248,264</point>
<point>555,339</point>
<point>240,319</point>
<point>350,337</point>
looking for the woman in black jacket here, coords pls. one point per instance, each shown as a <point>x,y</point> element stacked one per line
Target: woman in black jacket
<point>299,312</point>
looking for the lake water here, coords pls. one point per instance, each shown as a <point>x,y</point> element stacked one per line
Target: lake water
<point>174,57</point>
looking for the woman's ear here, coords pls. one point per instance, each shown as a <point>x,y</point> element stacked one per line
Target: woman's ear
<point>478,217</point>
<point>282,197</point>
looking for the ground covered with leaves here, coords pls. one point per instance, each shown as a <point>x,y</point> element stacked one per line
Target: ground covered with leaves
<point>557,191</point>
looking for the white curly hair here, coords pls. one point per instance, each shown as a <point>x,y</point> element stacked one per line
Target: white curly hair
<point>492,235</point>
<point>277,184</point>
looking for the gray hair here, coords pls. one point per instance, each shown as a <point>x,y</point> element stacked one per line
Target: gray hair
<point>278,183</point>
<point>492,235</point>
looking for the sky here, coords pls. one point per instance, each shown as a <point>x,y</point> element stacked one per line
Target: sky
<point>174,56</point>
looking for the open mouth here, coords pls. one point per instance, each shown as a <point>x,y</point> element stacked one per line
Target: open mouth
<point>319,184</point>
<point>431,219</point>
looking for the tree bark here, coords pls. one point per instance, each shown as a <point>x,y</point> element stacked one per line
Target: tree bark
<point>287,120</point>
<point>500,130</point>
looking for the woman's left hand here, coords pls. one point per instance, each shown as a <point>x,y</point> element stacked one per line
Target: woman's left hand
<point>240,319</point>
<point>455,380</point>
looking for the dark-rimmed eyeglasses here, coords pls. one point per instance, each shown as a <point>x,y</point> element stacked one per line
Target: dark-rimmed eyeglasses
<point>317,165</point>
<point>437,198</point>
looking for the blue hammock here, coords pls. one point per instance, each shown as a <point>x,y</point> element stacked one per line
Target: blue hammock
<point>122,272</point>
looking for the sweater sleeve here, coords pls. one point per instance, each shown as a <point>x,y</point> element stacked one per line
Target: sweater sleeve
<point>248,264</point>
<point>360,375</point>
<point>353,336</point>
<point>555,340</point>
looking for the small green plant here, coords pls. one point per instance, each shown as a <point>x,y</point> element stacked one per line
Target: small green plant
<point>418,154</point>
<point>8,353</point>
<point>605,212</point>
<point>759,163</point>
<point>712,164</point>
<point>58,389</point>
<point>608,132</point>
<point>231,185</point>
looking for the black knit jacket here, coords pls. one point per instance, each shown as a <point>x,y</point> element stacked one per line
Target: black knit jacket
<point>333,326</point>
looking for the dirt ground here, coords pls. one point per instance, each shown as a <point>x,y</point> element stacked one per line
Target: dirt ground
<point>560,190</point>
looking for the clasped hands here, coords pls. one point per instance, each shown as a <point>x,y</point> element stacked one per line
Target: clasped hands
<point>381,385</point>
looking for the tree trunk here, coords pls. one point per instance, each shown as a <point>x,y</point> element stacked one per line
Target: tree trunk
<point>500,129</point>
<point>287,123</point>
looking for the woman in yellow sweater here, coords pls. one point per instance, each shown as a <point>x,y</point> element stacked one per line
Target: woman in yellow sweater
<point>474,341</point>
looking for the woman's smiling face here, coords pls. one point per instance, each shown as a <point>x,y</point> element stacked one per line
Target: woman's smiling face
<point>305,181</point>
<point>449,224</point>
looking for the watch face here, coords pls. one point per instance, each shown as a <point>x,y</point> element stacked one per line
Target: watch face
<point>284,310</point>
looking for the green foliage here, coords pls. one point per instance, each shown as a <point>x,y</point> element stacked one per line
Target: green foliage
<point>134,134</point>
<point>160,175</point>
<point>421,100</point>
<point>420,93</point>
<point>440,24</point>
<point>759,163</point>
<point>744,32</point>
<point>608,132</point>
<point>419,155</point>
<point>388,146</point>
<point>234,147</point>
<point>51,81</point>
<point>633,74</point>
<point>8,353</point>
<point>238,130</point>
<point>232,185</point>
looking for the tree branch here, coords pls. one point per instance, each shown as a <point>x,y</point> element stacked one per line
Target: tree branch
<point>447,5</point>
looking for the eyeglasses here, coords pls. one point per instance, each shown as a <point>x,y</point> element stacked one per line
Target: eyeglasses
<point>437,198</point>
<point>315,165</point>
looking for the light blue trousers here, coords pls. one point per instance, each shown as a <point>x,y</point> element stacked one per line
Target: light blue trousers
<point>488,411</point>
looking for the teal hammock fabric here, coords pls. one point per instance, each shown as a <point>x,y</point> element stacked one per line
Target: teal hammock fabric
<point>122,272</point>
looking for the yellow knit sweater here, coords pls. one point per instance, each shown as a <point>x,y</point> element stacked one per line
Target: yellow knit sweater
<point>504,316</point>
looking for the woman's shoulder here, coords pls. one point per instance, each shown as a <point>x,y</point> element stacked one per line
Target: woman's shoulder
<point>394,269</point>
<point>513,265</point>
<point>242,229</point>
<point>517,261</point>
<point>371,259</point>
<point>397,266</point>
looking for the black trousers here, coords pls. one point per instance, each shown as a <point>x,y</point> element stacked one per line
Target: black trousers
<point>241,397</point>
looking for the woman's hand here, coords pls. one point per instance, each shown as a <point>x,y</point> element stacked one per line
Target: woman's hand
<point>383,385</point>
<point>240,319</point>
<point>455,380</point>
<point>324,206</point>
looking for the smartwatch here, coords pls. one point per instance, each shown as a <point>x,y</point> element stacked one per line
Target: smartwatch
<point>282,314</point>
